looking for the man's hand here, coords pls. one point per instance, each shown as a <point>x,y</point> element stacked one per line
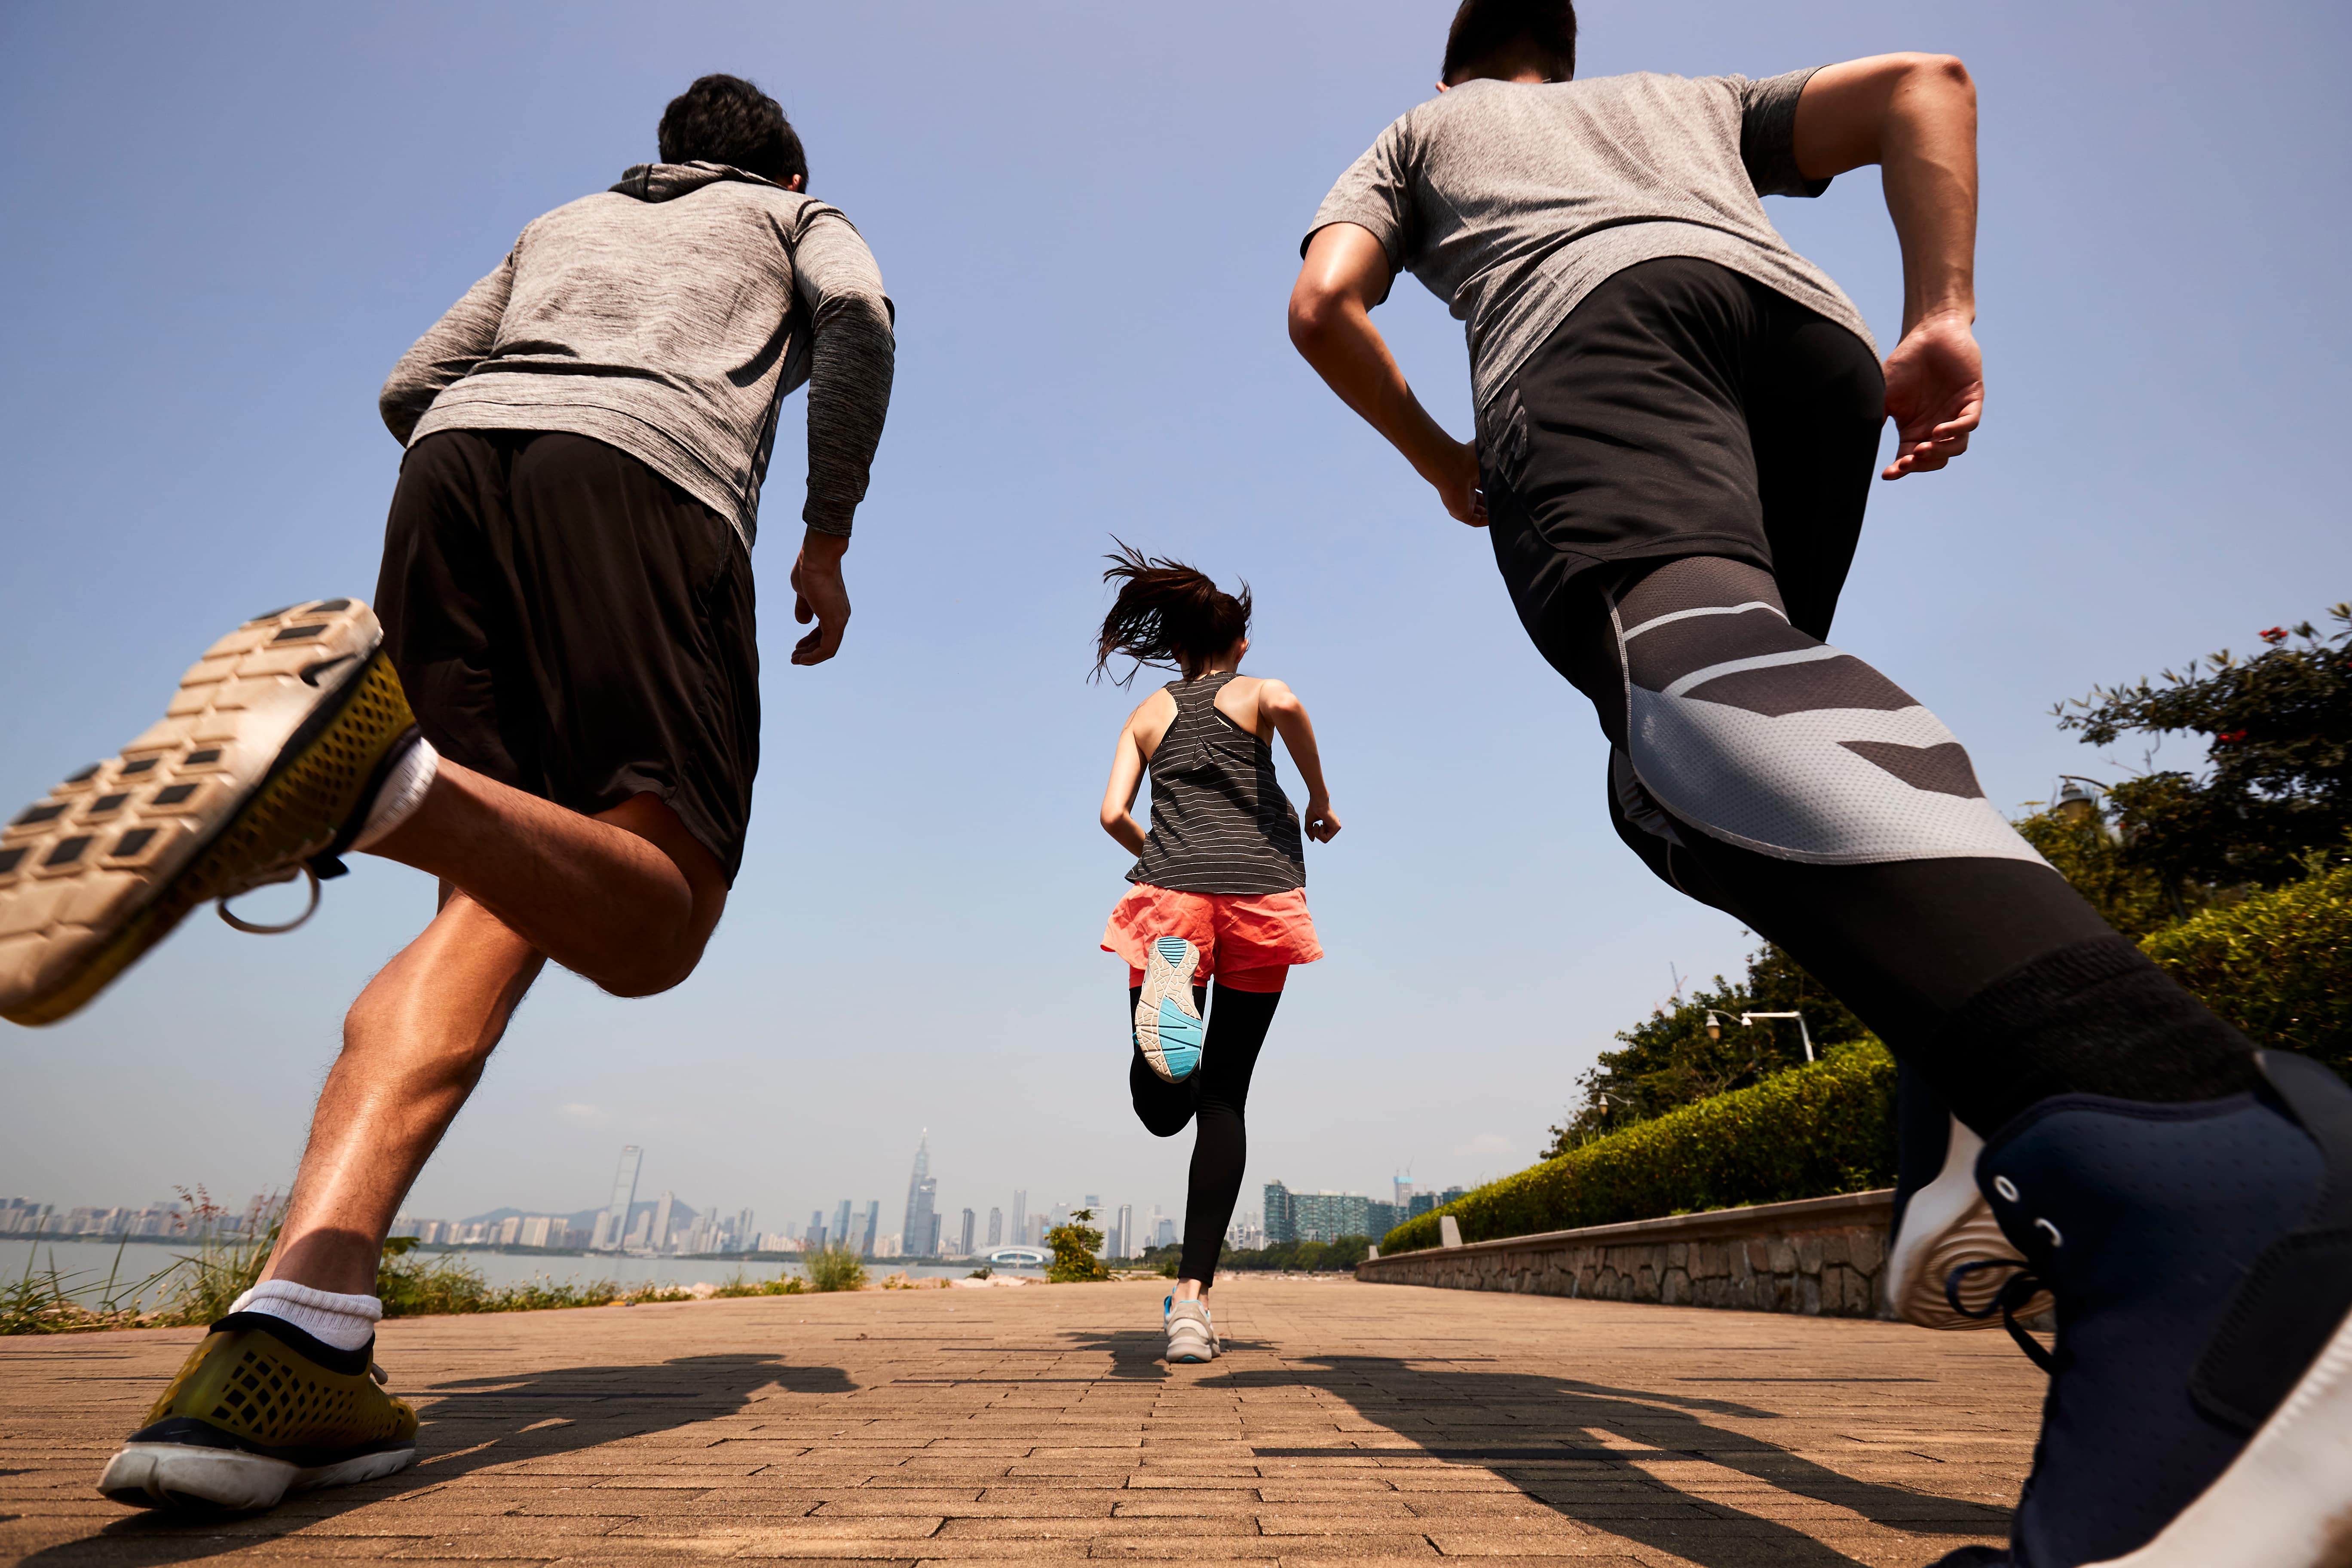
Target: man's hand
<point>1322,823</point>
<point>819,595</point>
<point>1935,393</point>
<point>1457,485</point>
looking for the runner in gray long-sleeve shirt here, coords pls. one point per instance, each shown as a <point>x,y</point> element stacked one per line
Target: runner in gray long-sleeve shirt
<point>668,317</point>
<point>553,708</point>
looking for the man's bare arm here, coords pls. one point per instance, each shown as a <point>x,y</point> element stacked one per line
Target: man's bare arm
<point>1345,275</point>
<point>1915,116</point>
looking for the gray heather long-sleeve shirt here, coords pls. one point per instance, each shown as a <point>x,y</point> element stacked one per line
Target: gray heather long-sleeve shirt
<point>668,317</point>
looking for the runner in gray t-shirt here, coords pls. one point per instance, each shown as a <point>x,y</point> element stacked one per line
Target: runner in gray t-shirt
<point>1677,418</point>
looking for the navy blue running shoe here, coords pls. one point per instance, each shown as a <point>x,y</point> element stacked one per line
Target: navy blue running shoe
<point>2200,1413</point>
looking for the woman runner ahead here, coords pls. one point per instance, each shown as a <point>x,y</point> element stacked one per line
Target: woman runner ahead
<point>1219,888</point>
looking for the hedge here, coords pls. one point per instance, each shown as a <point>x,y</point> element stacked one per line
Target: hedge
<point>1810,1130</point>
<point>2277,964</point>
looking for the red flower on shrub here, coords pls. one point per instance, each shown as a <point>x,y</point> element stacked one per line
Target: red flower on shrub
<point>2233,735</point>
<point>2275,635</point>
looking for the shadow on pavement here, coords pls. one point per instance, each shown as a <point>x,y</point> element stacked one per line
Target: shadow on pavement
<point>1509,1423</point>
<point>469,1424</point>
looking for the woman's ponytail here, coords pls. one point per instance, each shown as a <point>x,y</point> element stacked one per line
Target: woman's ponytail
<point>1166,614</point>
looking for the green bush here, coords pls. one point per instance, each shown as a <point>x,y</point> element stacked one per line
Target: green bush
<point>1803,1133</point>
<point>2278,964</point>
<point>1073,1244</point>
<point>834,1267</point>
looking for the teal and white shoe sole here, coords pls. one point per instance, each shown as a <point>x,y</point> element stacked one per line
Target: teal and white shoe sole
<point>1167,1027</point>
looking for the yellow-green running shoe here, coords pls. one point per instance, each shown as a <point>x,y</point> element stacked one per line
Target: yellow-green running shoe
<point>259,1409</point>
<point>262,767</point>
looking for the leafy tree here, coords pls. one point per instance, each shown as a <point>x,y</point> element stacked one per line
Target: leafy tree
<point>1669,1061</point>
<point>1074,1251</point>
<point>2129,894</point>
<point>2278,778</point>
<point>1300,1257</point>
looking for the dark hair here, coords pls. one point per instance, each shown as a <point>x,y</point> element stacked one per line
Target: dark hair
<point>1485,28</point>
<point>1166,614</point>
<point>726,120</point>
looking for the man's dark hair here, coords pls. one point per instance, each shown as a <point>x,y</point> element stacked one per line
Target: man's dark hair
<point>726,120</point>
<point>1485,28</point>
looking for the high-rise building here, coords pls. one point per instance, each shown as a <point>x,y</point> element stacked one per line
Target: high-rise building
<point>1122,1239</point>
<point>964,1238</point>
<point>1277,1214</point>
<point>1021,1217</point>
<point>841,1223</point>
<point>664,1212</point>
<point>1163,1231</point>
<point>638,1232</point>
<point>1327,1216</point>
<point>873,1218</point>
<point>615,1223</point>
<point>743,1232</point>
<point>921,1192</point>
<point>995,1228</point>
<point>920,1236</point>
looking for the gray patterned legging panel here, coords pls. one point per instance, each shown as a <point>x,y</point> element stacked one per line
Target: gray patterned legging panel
<point>1761,770</point>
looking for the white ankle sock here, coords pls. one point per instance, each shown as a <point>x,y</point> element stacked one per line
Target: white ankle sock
<point>401,793</point>
<point>346,1322</point>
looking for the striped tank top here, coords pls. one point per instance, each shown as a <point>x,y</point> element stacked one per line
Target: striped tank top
<point>1220,822</point>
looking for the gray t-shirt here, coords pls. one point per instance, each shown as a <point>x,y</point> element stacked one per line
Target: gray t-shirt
<point>1512,201</point>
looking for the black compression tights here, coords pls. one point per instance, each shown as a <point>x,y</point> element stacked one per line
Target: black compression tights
<point>1214,1097</point>
<point>1793,786</point>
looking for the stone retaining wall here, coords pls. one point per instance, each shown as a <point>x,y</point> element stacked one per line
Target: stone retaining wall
<point>1818,1257</point>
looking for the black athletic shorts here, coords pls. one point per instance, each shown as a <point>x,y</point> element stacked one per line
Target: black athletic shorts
<point>1682,409</point>
<point>571,623</point>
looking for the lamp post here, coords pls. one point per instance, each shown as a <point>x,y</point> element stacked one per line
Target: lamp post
<point>1747,1018</point>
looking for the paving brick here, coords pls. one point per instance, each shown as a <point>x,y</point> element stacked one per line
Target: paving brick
<point>1363,1423</point>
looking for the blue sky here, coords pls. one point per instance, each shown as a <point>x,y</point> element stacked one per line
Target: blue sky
<point>225,225</point>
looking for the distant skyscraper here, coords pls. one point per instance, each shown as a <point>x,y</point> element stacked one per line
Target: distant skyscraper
<point>910,1232</point>
<point>1019,1216</point>
<point>1278,1227</point>
<point>872,1219</point>
<point>918,1237</point>
<point>1122,1240</point>
<point>613,1226</point>
<point>965,1238</point>
<point>665,1211</point>
<point>841,1222</point>
<point>996,1228</point>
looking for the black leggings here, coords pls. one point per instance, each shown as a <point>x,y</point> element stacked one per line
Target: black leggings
<point>1215,1095</point>
<point>1675,482</point>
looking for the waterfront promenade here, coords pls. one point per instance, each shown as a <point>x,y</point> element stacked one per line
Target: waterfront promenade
<point>1347,1421</point>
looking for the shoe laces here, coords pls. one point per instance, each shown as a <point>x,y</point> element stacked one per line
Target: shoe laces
<point>2022,1286</point>
<point>269,879</point>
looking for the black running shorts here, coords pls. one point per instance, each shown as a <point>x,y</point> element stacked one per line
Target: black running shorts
<point>1682,409</point>
<point>568,622</point>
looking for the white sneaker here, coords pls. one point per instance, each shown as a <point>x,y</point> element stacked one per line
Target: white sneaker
<point>1167,1025</point>
<point>1945,1243</point>
<point>1191,1337</point>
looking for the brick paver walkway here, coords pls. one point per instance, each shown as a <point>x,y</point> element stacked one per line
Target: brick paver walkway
<point>1347,1420</point>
